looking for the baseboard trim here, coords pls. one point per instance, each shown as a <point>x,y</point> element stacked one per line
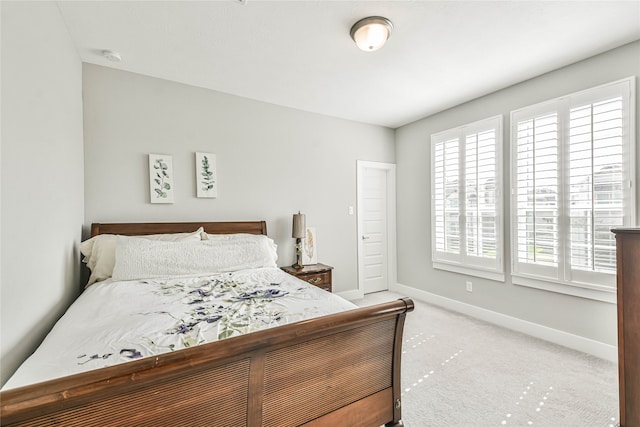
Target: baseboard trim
<point>565,339</point>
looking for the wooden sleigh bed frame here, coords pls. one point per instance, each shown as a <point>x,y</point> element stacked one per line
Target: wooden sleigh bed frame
<point>336,370</point>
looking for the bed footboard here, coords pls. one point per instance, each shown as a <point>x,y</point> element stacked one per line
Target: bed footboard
<point>342,369</point>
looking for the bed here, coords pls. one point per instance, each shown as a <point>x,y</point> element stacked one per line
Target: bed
<point>335,369</point>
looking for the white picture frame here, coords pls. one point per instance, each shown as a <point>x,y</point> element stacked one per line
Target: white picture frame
<point>160,178</point>
<point>206,175</point>
<point>309,247</point>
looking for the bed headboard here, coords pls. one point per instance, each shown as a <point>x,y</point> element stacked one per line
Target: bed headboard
<point>141,228</point>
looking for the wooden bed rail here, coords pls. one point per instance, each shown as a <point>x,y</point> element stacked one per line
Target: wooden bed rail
<point>342,369</point>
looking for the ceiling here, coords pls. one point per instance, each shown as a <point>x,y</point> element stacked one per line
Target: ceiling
<point>299,54</point>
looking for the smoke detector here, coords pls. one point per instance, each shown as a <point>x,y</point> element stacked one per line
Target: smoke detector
<point>112,55</point>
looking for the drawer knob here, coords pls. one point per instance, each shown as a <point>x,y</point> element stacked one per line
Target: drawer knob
<point>315,280</point>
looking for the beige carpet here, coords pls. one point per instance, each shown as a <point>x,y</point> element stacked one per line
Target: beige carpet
<point>460,371</point>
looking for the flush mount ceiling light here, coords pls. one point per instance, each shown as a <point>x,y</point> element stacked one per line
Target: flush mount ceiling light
<point>371,33</point>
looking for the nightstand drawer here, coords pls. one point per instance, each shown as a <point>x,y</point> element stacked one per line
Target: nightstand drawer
<point>317,279</point>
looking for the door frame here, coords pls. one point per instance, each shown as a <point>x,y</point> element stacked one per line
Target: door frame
<point>390,168</point>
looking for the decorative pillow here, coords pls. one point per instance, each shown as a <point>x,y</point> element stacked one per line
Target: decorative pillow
<point>144,259</point>
<point>100,251</point>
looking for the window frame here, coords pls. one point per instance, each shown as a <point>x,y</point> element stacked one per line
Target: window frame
<point>463,262</point>
<point>568,280</point>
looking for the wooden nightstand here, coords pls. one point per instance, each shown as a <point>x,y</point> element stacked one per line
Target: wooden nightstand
<point>316,274</point>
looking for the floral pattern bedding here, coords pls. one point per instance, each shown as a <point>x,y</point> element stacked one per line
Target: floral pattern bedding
<point>114,322</point>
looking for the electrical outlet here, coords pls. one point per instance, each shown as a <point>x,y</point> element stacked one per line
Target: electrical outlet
<point>469,286</point>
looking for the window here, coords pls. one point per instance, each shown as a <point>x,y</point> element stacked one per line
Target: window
<point>572,167</point>
<point>466,199</point>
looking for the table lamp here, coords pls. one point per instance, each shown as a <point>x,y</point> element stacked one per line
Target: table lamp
<point>299,230</point>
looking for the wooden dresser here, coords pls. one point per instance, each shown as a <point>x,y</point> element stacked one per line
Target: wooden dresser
<point>628,266</point>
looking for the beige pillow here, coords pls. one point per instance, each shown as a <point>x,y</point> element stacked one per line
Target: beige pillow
<point>100,251</point>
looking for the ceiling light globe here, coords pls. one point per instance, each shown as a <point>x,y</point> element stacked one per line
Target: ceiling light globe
<point>371,33</point>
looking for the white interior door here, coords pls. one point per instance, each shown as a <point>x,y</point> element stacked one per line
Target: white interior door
<point>376,226</point>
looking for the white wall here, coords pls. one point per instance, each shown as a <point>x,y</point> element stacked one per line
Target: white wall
<point>272,161</point>
<point>586,318</point>
<point>42,176</point>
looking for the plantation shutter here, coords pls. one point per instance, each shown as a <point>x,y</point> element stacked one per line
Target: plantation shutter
<point>572,168</point>
<point>446,195</point>
<point>595,183</point>
<point>536,187</point>
<point>466,199</point>
<point>480,194</point>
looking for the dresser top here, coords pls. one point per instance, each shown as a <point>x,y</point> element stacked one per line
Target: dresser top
<point>631,230</point>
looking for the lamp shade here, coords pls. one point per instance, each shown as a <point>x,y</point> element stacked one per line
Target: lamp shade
<point>371,33</point>
<point>299,226</point>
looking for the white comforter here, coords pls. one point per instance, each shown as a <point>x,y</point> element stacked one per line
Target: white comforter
<point>117,321</point>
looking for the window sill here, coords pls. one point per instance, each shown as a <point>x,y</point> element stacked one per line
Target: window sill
<point>492,275</point>
<point>604,294</point>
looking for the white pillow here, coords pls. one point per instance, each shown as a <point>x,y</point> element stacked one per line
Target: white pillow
<point>100,251</point>
<point>235,236</point>
<point>144,259</point>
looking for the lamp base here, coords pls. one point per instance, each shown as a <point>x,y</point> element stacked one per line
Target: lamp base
<point>298,263</point>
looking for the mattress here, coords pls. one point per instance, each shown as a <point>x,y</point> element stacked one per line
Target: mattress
<point>114,322</point>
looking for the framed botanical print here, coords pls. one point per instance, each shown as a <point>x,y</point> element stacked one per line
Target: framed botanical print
<point>160,178</point>
<point>309,254</point>
<point>206,175</point>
